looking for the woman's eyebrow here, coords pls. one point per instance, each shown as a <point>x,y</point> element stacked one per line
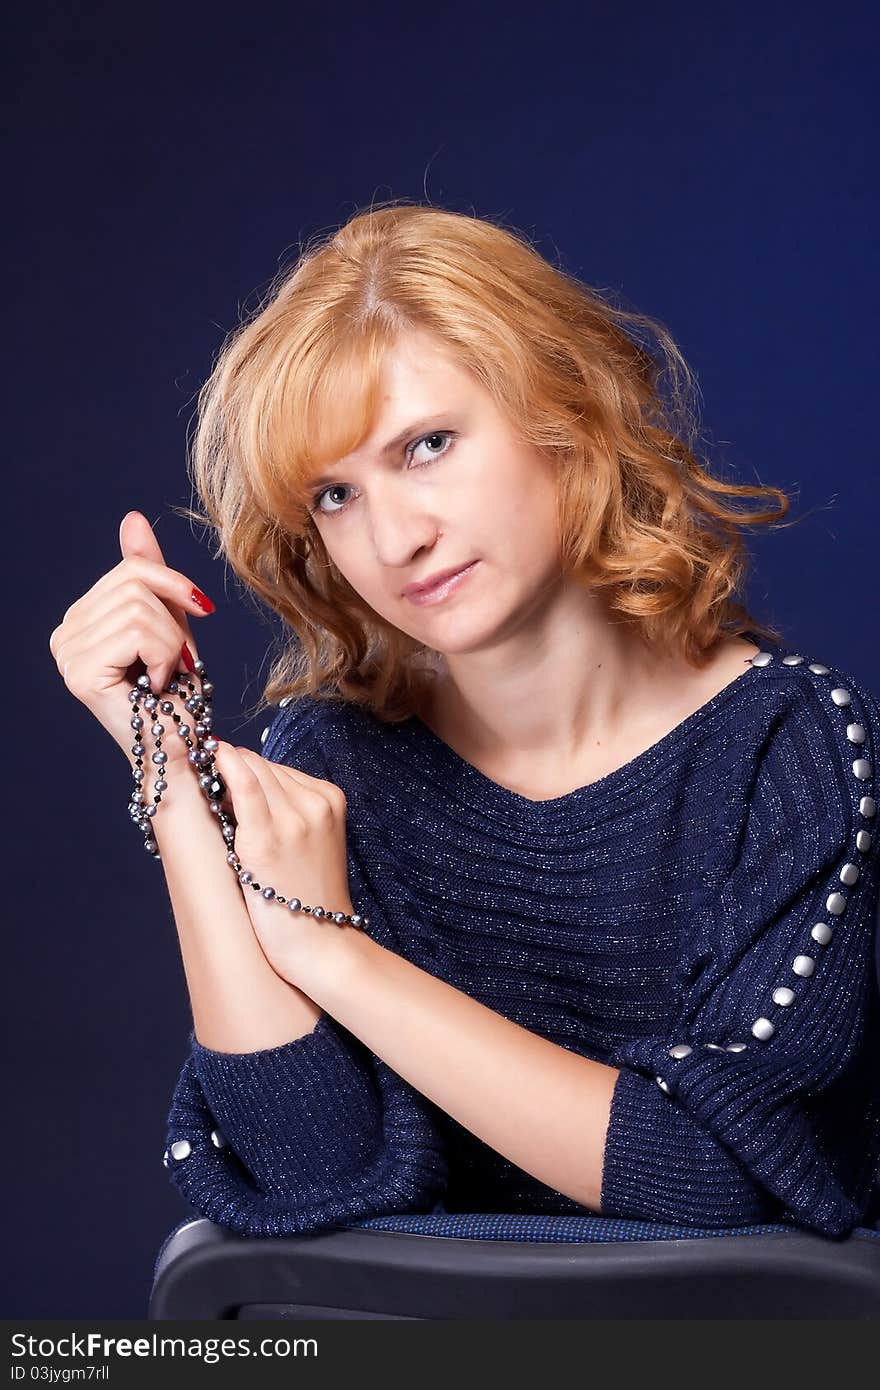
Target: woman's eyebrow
<point>417,427</point>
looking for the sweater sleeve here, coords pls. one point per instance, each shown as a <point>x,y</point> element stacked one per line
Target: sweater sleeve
<point>763,1102</point>
<point>316,1132</point>
<point>294,1139</point>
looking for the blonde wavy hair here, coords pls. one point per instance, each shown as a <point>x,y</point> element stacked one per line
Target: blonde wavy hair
<point>295,387</point>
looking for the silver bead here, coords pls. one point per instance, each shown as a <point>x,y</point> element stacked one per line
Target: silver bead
<point>835,903</point>
<point>264,735</point>
<point>855,733</point>
<point>862,769</point>
<point>217,1139</point>
<point>285,701</point>
<point>680,1050</point>
<point>165,1159</point>
<point>783,995</point>
<point>762,659</point>
<point>868,807</point>
<point>822,933</point>
<point>849,874</point>
<point>792,660</point>
<point>716,1047</point>
<point>736,1047</point>
<point>182,1149</point>
<point>818,669</point>
<point>662,1084</point>
<point>763,1028</point>
<point>267,893</point>
<point>863,841</point>
<point>840,695</point>
<point>803,966</point>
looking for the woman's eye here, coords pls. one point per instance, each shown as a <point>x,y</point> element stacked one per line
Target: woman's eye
<point>437,434</point>
<point>447,435</point>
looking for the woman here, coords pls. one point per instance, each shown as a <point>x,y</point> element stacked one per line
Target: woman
<point>613,841</point>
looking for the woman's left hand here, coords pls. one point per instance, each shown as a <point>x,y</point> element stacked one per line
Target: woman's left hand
<point>290,835</point>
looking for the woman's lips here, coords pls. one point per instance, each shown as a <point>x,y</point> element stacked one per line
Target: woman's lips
<point>441,590</point>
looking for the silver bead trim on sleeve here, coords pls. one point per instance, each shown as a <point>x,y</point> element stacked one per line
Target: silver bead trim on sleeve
<point>681,1050</point>
<point>265,734</point>
<point>217,1139</point>
<point>803,966</point>
<point>201,757</point>
<point>835,904</point>
<point>662,1084</point>
<point>181,1149</point>
<point>736,1047</point>
<point>165,1159</point>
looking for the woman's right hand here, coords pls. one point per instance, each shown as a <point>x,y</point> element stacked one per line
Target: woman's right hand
<point>134,613</point>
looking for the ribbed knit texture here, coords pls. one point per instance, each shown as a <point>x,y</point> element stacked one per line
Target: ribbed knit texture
<point>666,903</point>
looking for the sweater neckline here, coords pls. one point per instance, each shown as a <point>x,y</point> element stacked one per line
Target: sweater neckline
<point>488,793</point>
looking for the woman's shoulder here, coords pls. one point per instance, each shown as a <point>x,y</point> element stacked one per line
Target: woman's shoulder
<point>817,687</point>
<point>291,725</point>
<point>322,726</point>
<point>814,760</point>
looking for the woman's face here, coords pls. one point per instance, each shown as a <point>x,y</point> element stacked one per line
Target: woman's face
<point>455,487</point>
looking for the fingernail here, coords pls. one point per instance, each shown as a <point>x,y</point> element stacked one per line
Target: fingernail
<point>202,600</point>
<point>187,658</point>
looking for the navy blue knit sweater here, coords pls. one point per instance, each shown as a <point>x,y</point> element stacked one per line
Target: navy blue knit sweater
<point>702,918</point>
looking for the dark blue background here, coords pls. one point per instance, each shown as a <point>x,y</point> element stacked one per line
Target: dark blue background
<point>715,168</point>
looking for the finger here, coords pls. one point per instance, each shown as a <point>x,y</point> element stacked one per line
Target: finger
<point>137,540</point>
<point>150,635</point>
<point>173,589</point>
<point>245,788</point>
<point>319,785</point>
<point>277,798</point>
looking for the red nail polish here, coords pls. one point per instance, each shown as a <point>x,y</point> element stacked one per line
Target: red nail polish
<point>202,600</point>
<point>186,654</point>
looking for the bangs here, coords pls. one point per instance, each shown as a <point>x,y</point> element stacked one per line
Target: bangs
<point>319,405</point>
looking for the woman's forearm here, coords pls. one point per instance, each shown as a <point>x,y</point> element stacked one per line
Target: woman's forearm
<point>239,1003</point>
